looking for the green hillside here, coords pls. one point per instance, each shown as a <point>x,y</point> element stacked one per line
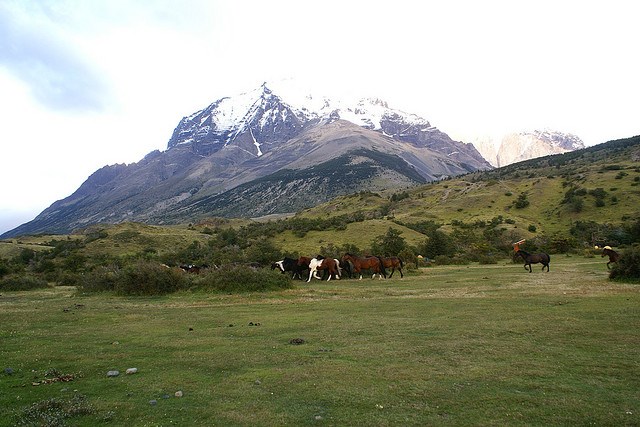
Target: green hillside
<point>584,198</point>
<point>600,184</point>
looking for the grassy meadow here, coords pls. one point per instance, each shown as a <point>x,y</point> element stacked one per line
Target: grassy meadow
<point>446,345</point>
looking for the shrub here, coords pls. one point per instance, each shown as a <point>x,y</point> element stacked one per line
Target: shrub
<point>150,278</point>
<point>243,278</point>
<point>576,204</point>
<point>486,259</point>
<point>65,278</point>
<point>621,175</point>
<point>522,201</point>
<point>100,279</point>
<point>628,266</point>
<point>451,260</point>
<point>22,282</point>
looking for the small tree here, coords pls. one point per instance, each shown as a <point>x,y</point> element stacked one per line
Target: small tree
<point>522,201</point>
<point>391,243</point>
<point>439,243</point>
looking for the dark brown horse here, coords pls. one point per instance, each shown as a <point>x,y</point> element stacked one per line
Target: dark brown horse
<point>613,255</point>
<point>392,263</point>
<point>372,263</point>
<point>529,259</point>
<point>303,261</point>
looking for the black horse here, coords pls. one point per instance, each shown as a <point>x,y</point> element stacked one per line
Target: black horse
<point>529,259</point>
<point>613,255</point>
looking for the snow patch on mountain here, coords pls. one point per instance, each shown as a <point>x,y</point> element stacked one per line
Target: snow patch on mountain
<point>282,104</point>
<point>516,147</point>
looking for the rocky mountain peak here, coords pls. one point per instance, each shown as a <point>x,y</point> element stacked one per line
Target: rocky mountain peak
<point>259,120</point>
<point>517,147</point>
<point>565,141</point>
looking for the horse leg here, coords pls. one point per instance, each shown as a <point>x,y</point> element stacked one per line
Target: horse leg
<point>529,268</point>
<point>313,272</point>
<point>608,265</point>
<point>392,271</point>
<point>400,270</point>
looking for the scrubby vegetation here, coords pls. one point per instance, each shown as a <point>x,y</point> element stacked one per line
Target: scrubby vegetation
<point>628,267</point>
<point>237,259</point>
<point>560,204</point>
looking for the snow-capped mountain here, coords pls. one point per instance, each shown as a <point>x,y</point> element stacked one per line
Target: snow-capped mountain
<point>516,147</point>
<point>262,152</point>
<point>257,120</point>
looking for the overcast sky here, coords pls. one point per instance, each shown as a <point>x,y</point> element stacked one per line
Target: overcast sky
<point>84,84</point>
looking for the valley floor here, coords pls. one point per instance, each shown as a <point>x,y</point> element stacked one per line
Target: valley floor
<point>446,345</point>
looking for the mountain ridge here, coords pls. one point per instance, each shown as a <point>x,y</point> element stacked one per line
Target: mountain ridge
<point>233,141</point>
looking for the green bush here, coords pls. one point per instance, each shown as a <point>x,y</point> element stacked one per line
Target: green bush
<point>628,266</point>
<point>451,260</point>
<point>150,278</point>
<point>22,282</point>
<point>100,279</point>
<point>487,259</point>
<point>66,278</point>
<point>242,278</point>
<point>522,201</point>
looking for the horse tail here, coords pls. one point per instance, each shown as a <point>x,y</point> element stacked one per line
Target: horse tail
<point>401,262</point>
<point>382,269</point>
<point>338,266</point>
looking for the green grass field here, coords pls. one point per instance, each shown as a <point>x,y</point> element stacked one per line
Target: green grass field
<point>446,345</point>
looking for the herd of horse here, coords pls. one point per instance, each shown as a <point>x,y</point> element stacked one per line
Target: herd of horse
<point>349,265</point>
<point>353,266</point>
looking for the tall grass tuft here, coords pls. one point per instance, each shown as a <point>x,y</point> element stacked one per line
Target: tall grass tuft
<point>53,412</point>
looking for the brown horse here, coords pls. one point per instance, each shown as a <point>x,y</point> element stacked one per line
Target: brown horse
<point>303,261</point>
<point>393,262</point>
<point>613,255</point>
<point>529,259</point>
<point>331,265</point>
<point>372,263</point>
